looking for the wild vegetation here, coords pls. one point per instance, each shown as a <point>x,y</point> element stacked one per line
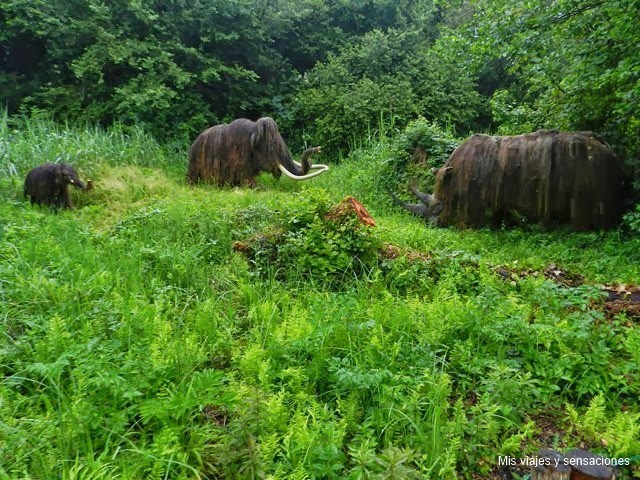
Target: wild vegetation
<point>162,330</point>
<point>328,71</point>
<point>137,344</point>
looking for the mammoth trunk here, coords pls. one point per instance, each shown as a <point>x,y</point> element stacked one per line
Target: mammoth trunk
<point>294,168</point>
<point>78,184</point>
<point>299,171</point>
<point>306,158</point>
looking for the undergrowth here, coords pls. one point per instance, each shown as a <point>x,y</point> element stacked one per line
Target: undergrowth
<point>135,343</point>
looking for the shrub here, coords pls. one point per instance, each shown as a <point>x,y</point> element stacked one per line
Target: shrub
<point>631,220</point>
<point>314,240</point>
<point>419,151</point>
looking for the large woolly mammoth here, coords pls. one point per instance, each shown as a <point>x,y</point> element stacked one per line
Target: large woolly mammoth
<point>234,153</point>
<point>548,177</point>
<point>48,184</point>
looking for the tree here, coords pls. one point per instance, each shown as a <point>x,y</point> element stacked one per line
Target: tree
<point>171,66</point>
<point>572,64</point>
<point>384,77</point>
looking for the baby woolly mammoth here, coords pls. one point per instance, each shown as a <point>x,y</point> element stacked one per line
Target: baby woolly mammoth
<point>47,184</point>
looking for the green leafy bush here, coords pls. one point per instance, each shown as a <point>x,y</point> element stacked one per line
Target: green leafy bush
<point>619,432</point>
<point>418,152</point>
<point>315,240</point>
<point>631,220</point>
<point>382,81</point>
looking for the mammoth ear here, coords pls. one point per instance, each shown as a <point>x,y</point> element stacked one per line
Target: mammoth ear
<point>259,133</point>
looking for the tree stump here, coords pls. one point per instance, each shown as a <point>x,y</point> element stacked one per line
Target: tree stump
<point>550,465</point>
<point>577,464</point>
<point>589,466</point>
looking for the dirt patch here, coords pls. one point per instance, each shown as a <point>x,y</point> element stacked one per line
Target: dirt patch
<point>622,299</point>
<point>563,277</point>
<point>552,272</point>
<point>391,252</point>
<point>216,414</point>
<point>619,298</point>
<point>550,431</point>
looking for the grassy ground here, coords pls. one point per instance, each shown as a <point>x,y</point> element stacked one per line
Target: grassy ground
<point>135,343</point>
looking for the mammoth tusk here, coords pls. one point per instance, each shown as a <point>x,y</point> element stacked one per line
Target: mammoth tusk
<point>424,197</point>
<point>322,169</point>
<point>298,164</point>
<point>312,167</point>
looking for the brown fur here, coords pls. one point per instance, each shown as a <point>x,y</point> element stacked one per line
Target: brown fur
<point>548,177</point>
<point>48,184</point>
<point>235,153</point>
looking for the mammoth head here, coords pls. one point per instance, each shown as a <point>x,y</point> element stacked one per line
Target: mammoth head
<point>273,155</point>
<point>69,176</point>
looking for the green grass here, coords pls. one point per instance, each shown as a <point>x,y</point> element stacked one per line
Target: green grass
<point>135,343</point>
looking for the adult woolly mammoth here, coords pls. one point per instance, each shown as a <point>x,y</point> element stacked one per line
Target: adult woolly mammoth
<point>548,177</point>
<point>235,153</point>
<point>48,184</point>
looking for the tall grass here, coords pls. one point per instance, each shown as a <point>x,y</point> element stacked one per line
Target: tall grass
<point>135,343</point>
<point>27,142</point>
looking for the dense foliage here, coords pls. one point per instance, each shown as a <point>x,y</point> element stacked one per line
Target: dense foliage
<point>312,240</point>
<point>135,343</point>
<point>571,64</point>
<point>331,71</point>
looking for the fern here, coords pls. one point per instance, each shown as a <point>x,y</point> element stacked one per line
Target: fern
<point>618,432</point>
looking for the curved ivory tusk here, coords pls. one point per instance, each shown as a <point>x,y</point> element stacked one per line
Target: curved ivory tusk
<point>322,169</point>
<point>312,167</point>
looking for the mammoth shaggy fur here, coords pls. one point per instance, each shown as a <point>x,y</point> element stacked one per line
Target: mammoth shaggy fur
<point>235,153</point>
<point>47,184</point>
<point>549,177</point>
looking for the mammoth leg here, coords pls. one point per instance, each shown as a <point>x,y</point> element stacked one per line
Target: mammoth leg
<point>250,182</point>
<point>192,175</point>
<point>66,198</point>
